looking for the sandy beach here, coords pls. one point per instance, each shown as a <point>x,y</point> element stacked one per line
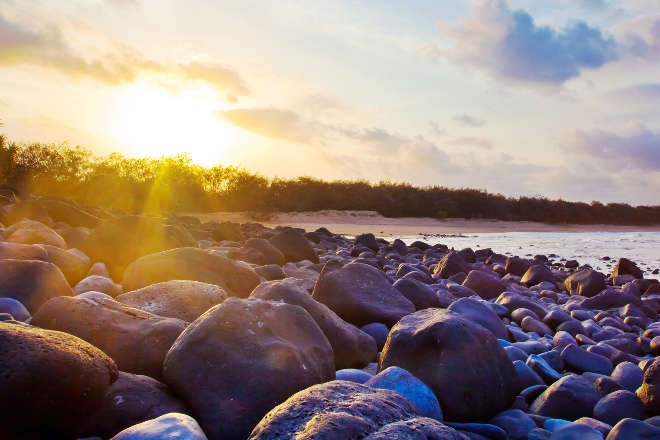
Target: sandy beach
<point>358,222</point>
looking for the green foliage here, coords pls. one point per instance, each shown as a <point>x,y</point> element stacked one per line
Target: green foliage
<point>175,184</point>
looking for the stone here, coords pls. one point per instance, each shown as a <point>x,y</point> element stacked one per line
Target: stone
<point>529,324</point>
<point>462,363</point>
<point>536,274</point>
<point>526,376</point>
<point>361,294</point>
<point>569,398</point>
<point>417,292</point>
<point>20,251</point>
<point>181,299</point>
<point>628,429</point>
<point>626,267</point>
<point>353,375</point>
<point>403,382</point>
<point>576,431</point>
<point>378,331</point>
<point>515,422</point>
<point>168,426</point>
<point>513,301</point>
<point>516,266</point>
<point>270,272</point>
<point>136,340</point>
<point>130,400</point>
<point>352,347</point>
<point>97,283</point>
<point>628,375</point>
<point>367,240</point>
<point>487,286</point>
<point>294,246</point>
<point>32,282</point>
<point>25,209</point>
<point>72,262</point>
<point>586,282</point>
<point>649,392</point>
<point>271,254</point>
<point>50,382</point>
<point>479,313</point>
<point>242,358</point>
<point>34,232</point>
<point>15,308</point>
<point>341,410</point>
<point>619,405</point>
<point>579,360</point>
<point>194,264</point>
<point>451,264</point>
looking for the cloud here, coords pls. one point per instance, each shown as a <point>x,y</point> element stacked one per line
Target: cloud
<point>595,5</point>
<point>468,120</point>
<point>483,143</point>
<point>275,123</point>
<point>510,45</point>
<point>122,3</point>
<point>649,92</point>
<point>219,77</point>
<point>636,149</point>
<point>436,130</point>
<point>641,36</point>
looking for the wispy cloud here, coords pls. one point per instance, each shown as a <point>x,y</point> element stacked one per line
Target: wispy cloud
<point>219,77</point>
<point>468,120</point>
<point>436,130</point>
<point>649,92</point>
<point>276,123</point>
<point>470,142</point>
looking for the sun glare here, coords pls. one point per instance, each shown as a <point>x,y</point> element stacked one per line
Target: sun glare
<point>148,120</point>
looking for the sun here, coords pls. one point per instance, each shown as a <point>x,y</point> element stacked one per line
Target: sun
<point>149,120</point>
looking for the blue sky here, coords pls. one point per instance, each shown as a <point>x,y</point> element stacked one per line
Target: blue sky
<point>522,97</point>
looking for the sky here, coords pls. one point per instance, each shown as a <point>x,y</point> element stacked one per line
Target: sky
<point>559,99</point>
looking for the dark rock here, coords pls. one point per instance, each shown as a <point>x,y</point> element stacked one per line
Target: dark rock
<point>649,392</point>
<point>629,429</point>
<point>571,264</point>
<point>451,264</point>
<point>477,312</point>
<point>486,285</point>
<point>573,327</point>
<point>182,299</point>
<point>341,410</point>
<point>361,294</point>
<point>553,358</point>
<point>136,340</point>
<point>530,324</point>
<point>460,361</point>
<point>628,375</point>
<point>130,400</point>
<point>272,254</point>
<point>626,267</point>
<point>537,274</point>
<point>418,293</point>
<point>191,264</point>
<point>294,246</point>
<point>378,331</point>
<point>352,347</point>
<point>610,299</point>
<point>521,313</point>
<point>515,422</point>
<point>516,266</point>
<point>569,398</point>
<point>243,357</point>
<point>14,308</point>
<point>580,360</point>
<point>367,240</point>
<point>270,272</point>
<point>619,405</point>
<point>532,392</point>
<point>513,301</point>
<point>50,382</point>
<point>576,431</point>
<point>605,385</point>
<point>32,282</point>
<point>586,282</point>
<point>527,377</point>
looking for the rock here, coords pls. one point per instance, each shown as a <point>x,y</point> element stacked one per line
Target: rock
<point>579,360</point>
<point>569,398</point>
<point>25,209</point>
<point>536,274</point>
<point>516,266</point>
<point>626,267</point>
<point>529,324</point>
<point>486,285</point>
<point>478,312</point>
<point>460,361</point>
<point>420,294</point>
<point>132,399</point>
<point>628,429</point>
<point>353,375</point>
<point>361,294</point>
<point>619,405</point>
<point>628,375</point>
<point>367,240</point>
<point>341,410</point>
<point>513,301</point>
<point>352,347</point>
<point>168,426</point>
<point>451,264</point>
<point>75,237</point>
<point>191,264</point>
<point>50,382</point>
<point>576,431</point>
<point>136,340</point>
<point>32,282</point>
<point>526,376</point>
<point>270,272</point>
<point>649,392</point>
<point>121,240</point>
<point>610,299</point>
<point>68,212</point>
<point>181,299</point>
<point>34,232</point>
<point>20,251</point>
<point>378,331</point>
<point>72,262</point>
<point>272,254</point>
<point>15,308</point>
<point>515,422</point>
<point>243,357</point>
<point>479,431</point>
<point>586,282</point>
<point>399,380</point>
<point>97,283</point>
<point>294,246</point>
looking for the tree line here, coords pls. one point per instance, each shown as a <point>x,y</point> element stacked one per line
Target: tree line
<point>175,184</point>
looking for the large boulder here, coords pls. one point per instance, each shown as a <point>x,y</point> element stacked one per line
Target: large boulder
<point>361,294</point>
<point>50,382</point>
<point>121,240</point>
<point>460,361</point>
<point>626,267</point>
<point>242,358</point>
<point>136,340</point>
<point>72,262</point>
<point>649,392</point>
<point>32,282</point>
<point>586,282</point>
<point>20,251</point>
<point>569,398</point>
<point>182,299</point>
<point>450,265</point>
<point>537,273</point>
<point>341,410</point>
<point>132,399</point>
<point>352,347</point>
<point>194,264</point>
<point>487,286</point>
<point>34,232</point>
<point>271,254</point>
<point>294,246</point>
<point>480,313</point>
<point>419,293</point>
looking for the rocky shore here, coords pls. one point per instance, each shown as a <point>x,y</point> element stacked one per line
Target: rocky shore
<point>141,327</point>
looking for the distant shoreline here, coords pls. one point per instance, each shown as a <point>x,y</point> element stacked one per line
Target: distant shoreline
<point>359,222</point>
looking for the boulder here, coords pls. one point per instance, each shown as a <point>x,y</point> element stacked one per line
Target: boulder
<point>352,347</point>
<point>628,429</point>
<point>580,360</point>
<point>132,399</point>
<point>34,232</point>
<point>536,274</point>
<point>462,363</point>
<point>361,294</point>
<point>181,299</point>
<point>487,286</point>
<point>649,392</point>
<point>271,254</point>
<point>341,410</point>
<point>294,246</point>
<point>72,262</point>
<point>479,313</point>
<point>450,265</point>
<point>242,358</point>
<point>420,294</point>
<point>513,301</point>
<point>516,266</point>
<point>367,240</point>
<point>619,405</point>
<point>168,426</point>
<point>136,340</point>
<point>586,282</point>
<point>194,264</point>
<point>15,308</point>
<point>50,382</point>
<point>569,398</point>
<point>20,251</point>
<point>97,283</point>
<point>626,267</point>
<point>32,282</point>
